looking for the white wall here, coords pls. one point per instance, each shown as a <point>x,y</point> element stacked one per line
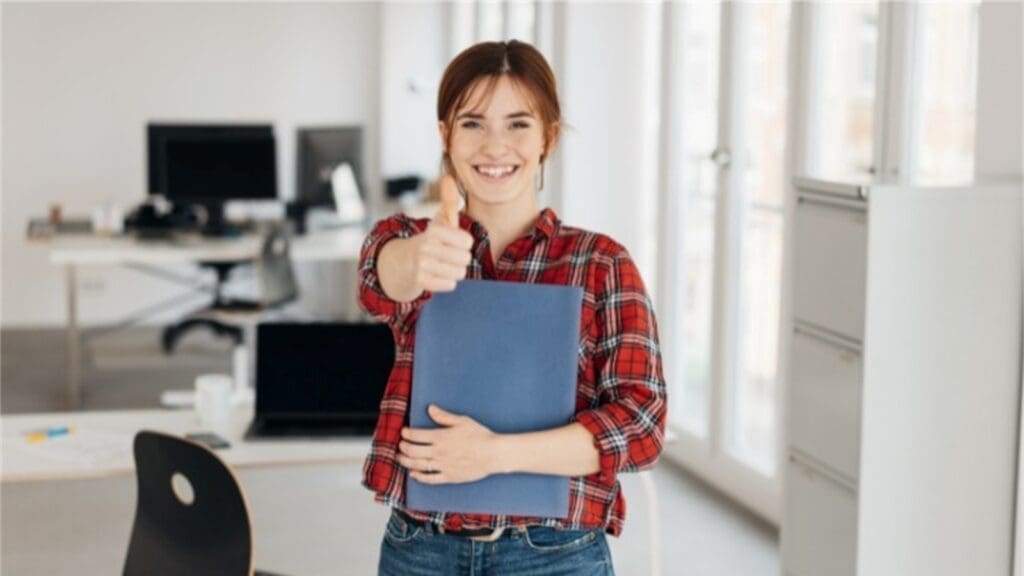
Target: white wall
<point>609,83</point>
<point>998,151</point>
<point>80,81</point>
<point>413,58</point>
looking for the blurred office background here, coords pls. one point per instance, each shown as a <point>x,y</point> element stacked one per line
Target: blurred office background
<point>687,125</point>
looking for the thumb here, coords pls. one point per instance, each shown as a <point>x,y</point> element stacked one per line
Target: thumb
<point>449,213</point>
<point>442,417</point>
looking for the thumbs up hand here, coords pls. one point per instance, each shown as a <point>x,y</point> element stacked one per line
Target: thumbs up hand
<point>442,252</point>
<point>449,213</point>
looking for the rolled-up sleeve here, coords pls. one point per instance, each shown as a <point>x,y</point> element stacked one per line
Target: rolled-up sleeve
<point>372,298</point>
<point>628,424</point>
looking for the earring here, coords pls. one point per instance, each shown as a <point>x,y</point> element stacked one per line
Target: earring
<point>538,180</point>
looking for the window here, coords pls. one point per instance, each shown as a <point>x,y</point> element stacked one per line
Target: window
<point>522,21</point>
<point>943,130</point>
<point>843,129</point>
<point>752,428</point>
<point>729,92</point>
<point>696,214</point>
<point>489,20</point>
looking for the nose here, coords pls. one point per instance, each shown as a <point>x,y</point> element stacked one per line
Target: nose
<point>494,146</point>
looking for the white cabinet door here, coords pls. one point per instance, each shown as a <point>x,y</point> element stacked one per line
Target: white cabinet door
<point>830,265</point>
<point>825,381</point>
<point>941,397</point>
<point>819,536</point>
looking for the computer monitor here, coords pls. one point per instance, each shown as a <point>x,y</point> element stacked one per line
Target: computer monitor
<point>320,151</point>
<point>209,164</point>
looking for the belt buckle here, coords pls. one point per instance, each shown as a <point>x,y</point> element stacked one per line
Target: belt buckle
<point>490,537</point>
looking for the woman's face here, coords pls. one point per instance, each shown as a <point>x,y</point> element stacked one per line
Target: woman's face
<point>496,146</point>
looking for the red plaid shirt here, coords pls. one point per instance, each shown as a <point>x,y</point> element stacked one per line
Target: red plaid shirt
<point>620,395</point>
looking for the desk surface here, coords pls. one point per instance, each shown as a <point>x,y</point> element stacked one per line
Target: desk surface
<point>340,244</point>
<point>102,444</point>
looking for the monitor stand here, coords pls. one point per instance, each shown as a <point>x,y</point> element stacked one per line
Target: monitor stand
<point>216,224</point>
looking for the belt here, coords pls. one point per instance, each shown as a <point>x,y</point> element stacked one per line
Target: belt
<point>478,534</point>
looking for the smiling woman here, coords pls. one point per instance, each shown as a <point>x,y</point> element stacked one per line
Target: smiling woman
<point>498,124</point>
<point>499,119</point>
<point>495,147</point>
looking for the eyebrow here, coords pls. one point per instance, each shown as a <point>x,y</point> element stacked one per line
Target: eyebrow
<point>475,116</point>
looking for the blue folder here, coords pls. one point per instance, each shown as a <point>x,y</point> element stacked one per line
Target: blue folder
<point>504,353</point>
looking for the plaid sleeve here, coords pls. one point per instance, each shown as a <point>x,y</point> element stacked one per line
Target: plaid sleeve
<point>628,425</point>
<point>372,298</point>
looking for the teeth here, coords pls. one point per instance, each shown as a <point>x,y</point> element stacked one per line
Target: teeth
<point>496,171</point>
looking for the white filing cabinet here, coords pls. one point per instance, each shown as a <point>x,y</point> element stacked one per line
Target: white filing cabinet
<point>903,381</point>
<point>830,244</point>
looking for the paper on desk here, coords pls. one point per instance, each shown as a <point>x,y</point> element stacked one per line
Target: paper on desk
<point>86,447</point>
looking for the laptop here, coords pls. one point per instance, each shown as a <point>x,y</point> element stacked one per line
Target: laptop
<point>320,379</point>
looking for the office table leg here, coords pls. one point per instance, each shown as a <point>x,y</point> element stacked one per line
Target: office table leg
<point>74,358</point>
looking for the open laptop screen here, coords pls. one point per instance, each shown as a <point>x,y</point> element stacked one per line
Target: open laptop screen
<point>322,369</point>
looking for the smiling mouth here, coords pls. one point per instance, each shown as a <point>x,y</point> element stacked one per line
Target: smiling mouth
<point>495,173</point>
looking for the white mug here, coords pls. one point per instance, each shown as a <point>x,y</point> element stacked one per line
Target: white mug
<point>99,221</point>
<point>115,219</point>
<point>213,400</point>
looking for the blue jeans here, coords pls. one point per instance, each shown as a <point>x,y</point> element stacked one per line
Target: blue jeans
<point>409,550</point>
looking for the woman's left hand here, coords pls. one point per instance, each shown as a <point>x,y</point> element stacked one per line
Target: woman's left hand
<point>462,450</point>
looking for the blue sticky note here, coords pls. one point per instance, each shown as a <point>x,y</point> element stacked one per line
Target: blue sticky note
<point>505,354</point>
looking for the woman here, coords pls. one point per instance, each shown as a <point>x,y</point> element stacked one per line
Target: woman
<point>499,120</point>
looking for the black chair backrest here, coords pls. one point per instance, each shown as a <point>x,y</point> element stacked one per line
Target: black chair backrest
<point>277,277</point>
<point>211,534</point>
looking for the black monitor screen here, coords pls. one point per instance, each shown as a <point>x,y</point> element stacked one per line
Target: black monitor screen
<point>321,150</point>
<point>212,163</point>
<point>322,369</point>
<point>220,169</point>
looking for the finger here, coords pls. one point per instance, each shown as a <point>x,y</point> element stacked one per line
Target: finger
<point>449,213</point>
<point>411,450</point>
<point>414,464</point>
<point>434,478</point>
<point>443,270</point>
<point>432,262</point>
<point>433,283</point>
<point>442,416</point>
<point>418,435</point>
<point>451,249</point>
<point>456,237</point>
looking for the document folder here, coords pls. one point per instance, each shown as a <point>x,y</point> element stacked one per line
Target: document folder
<point>505,354</point>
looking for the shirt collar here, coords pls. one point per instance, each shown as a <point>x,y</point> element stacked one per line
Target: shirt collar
<point>547,224</point>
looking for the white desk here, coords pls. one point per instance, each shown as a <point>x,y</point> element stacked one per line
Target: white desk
<point>74,251</point>
<point>341,244</point>
<point>101,446</point>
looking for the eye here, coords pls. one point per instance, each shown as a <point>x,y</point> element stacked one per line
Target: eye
<point>470,124</point>
<point>520,125</point>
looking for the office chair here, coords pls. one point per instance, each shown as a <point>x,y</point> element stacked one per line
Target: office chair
<point>202,531</point>
<point>227,317</point>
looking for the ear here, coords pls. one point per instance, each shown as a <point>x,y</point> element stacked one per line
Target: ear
<point>554,134</point>
<point>442,130</point>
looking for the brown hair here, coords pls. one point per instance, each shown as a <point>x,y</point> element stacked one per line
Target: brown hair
<point>487,62</point>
